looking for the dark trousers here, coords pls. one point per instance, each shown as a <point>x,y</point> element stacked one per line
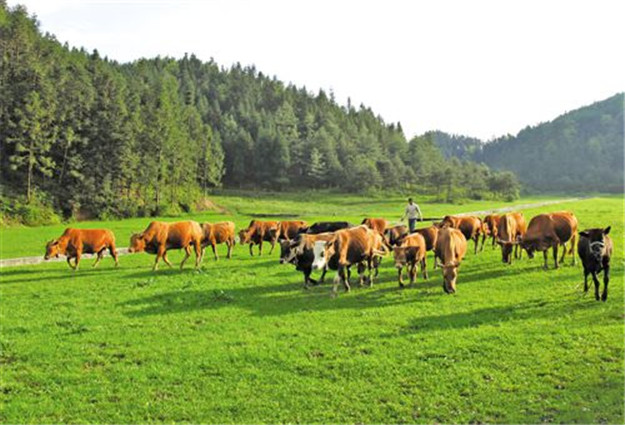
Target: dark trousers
<point>412,224</point>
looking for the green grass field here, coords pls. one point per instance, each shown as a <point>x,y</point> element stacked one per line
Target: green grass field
<point>240,341</point>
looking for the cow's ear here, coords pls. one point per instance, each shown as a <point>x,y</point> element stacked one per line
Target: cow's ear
<point>607,230</point>
<point>584,234</point>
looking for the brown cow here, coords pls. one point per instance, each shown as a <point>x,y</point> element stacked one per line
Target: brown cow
<point>356,245</point>
<point>377,224</point>
<point>548,231</point>
<point>75,242</point>
<point>470,226</point>
<point>160,237</point>
<point>259,231</point>
<point>411,252</point>
<point>395,234</point>
<point>489,228</point>
<point>217,233</point>
<point>430,234</point>
<point>510,231</point>
<point>451,247</point>
<point>291,228</point>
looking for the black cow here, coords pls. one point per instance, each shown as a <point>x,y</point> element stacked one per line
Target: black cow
<point>328,226</point>
<point>595,249</point>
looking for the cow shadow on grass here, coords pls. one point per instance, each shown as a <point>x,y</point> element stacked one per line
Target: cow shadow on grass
<point>531,309</point>
<point>266,299</point>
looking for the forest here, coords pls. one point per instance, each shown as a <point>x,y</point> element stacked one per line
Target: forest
<point>85,136</point>
<point>580,151</point>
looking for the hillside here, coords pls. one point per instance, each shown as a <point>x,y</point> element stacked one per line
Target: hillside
<point>96,138</point>
<point>580,151</point>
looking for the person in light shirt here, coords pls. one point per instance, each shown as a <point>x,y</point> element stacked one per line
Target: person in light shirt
<point>413,213</point>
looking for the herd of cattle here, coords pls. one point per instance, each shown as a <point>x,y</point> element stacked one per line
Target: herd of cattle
<point>340,245</point>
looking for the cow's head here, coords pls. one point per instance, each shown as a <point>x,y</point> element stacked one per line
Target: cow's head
<point>506,249</point>
<point>288,251</point>
<point>244,236</point>
<point>400,256</point>
<point>450,274</point>
<point>53,249</point>
<point>137,243</point>
<point>596,239</point>
<point>322,251</point>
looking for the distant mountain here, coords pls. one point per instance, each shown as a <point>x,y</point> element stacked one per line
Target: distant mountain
<point>580,151</point>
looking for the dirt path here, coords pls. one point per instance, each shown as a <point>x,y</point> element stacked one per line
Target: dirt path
<point>28,261</point>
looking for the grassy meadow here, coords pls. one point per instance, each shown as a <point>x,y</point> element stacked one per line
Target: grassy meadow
<point>240,341</point>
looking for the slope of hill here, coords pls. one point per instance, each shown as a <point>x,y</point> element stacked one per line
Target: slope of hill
<point>581,150</point>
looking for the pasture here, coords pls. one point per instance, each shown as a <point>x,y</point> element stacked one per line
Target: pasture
<point>240,341</point>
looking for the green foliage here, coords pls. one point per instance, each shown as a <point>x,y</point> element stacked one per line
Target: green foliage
<point>36,212</point>
<point>242,342</point>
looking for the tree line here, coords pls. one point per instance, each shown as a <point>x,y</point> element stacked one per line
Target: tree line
<point>83,133</point>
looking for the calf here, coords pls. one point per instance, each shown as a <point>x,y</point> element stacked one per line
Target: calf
<point>451,247</point>
<point>218,233</point>
<point>160,237</point>
<point>75,242</point>
<point>291,228</point>
<point>259,231</point>
<point>510,230</point>
<point>411,253</point>
<point>549,231</point>
<point>489,228</point>
<point>328,226</point>
<point>595,249</point>
<point>300,253</point>
<point>471,227</point>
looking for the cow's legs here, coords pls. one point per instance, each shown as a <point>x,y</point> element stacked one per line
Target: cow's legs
<point>413,272</point>
<point>323,274</point>
<point>476,240</point>
<point>572,250</point>
<point>98,258</point>
<point>214,251</point>
<point>424,268</point>
<point>69,263</point>
<point>546,255</point>
<point>596,281</point>
<point>606,280</point>
<point>273,245</point>
<point>361,274</point>
<point>77,259</point>
<point>260,247</point>
<point>251,252</point>
<point>187,254</point>
<point>586,272</point>
<point>483,242</point>
<point>563,252</point>
<point>229,250</point>
<point>113,253</point>
<point>198,253</point>
<point>400,277</point>
<point>555,255</point>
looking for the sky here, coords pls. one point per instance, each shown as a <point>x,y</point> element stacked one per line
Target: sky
<point>479,68</point>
